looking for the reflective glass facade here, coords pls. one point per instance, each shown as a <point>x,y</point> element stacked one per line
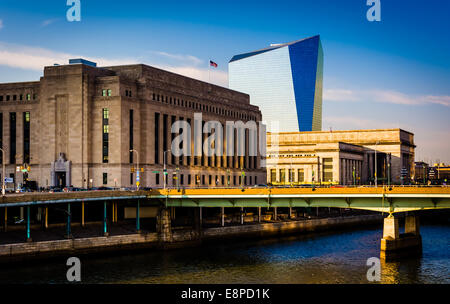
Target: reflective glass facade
<point>285,81</point>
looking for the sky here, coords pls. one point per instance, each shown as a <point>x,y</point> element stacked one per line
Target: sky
<point>389,74</point>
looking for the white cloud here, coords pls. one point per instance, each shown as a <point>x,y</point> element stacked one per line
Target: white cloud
<point>36,58</point>
<point>48,22</point>
<point>385,96</point>
<point>1,24</point>
<point>184,58</point>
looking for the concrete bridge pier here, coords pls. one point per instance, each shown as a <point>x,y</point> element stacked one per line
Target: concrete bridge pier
<point>164,225</point>
<point>394,244</point>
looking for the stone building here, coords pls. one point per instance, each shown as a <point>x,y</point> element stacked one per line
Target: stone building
<point>78,124</point>
<point>340,157</point>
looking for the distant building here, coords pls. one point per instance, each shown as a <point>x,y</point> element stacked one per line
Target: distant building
<point>439,173</point>
<point>340,157</point>
<point>284,81</point>
<point>421,172</point>
<point>77,125</point>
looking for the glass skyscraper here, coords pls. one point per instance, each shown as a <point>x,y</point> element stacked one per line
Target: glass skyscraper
<point>285,81</point>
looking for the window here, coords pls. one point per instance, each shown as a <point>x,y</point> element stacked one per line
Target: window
<point>109,93</point>
<point>103,93</point>
<point>301,175</point>
<point>26,137</point>
<point>157,178</point>
<point>189,179</point>
<point>282,175</point>
<point>28,96</point>
<point>7,97</point>
<point>105,136</point>
<point>327,169</point>
<point>210,180</point>
<point>1,97</point>
<point>234,180</point>
<point>273,175</point>
<point>131,178</point>
<point>203,180</point>
<point>156,138</point>
<point>105,178</point>
<point>182,179</point>
<point>21,97</point>
<point>12,138</point>
<point>34,96</point>
<point>131,138</point>
<point>14,97</point>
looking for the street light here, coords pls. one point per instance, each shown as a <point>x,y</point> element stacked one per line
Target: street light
<point>3,173</point>
<point>165,169</point>
<point>376,177</point>
<point>137,168</point>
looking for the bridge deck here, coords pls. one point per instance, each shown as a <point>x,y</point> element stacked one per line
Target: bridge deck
<point>393,199</point>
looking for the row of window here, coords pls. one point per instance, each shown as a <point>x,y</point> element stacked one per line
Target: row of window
<point>20,97</point>
<point>217,180</point>
<point>189,104</point>
<point>202,107</point>
<point>26,132</point>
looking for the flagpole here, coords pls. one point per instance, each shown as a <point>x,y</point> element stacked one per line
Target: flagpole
<point>209,71</point>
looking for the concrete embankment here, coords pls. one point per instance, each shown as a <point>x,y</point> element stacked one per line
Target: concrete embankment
<point>178,238</point>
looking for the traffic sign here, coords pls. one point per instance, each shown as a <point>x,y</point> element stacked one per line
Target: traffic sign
<point>155,172</point>
<point>9,180</point>
<point>137,177</point>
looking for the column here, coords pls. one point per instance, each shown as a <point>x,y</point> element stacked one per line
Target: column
<point>105,227</point>
<point>46,218</point>
<point>390,228</point>
<point>138,217</point>
<point>164,225</point>
<point>223,216</point>
<point>68,226</point>
<point>412,225</point>
<point>28,225</point>
<point>82,214</point>
<point>5,227</point>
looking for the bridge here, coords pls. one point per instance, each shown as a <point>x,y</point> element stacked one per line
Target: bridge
<point>390,200</point>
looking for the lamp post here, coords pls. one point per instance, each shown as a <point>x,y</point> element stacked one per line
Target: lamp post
<point>3,172</point>
<point>376,177</point>
<point>137,168</point>
<point>165,169</point>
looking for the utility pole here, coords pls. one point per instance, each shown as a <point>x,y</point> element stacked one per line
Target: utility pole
<point>137,169</point>
<point>376,177</point>
<point>3,172</point>
<point>165,169</point>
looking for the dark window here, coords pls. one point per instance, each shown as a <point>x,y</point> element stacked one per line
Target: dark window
<point>105,178</point>
<point>21,97</point>
<point>157,138</point>
<point>182,179</point>
<point>7,97</point>
<point>14,97</point>
<point>234,180</point>
<point>189,179</point>
<point>172,139</point>
<point>105,136</point>
<point>1,136</point>
<point>165,141</point>
<point>12,138</point>
<point>26,137</point>
<point>210,180</point>
<point>131,135</point>
<point>203,179</point>
<point>157,178</point>
<point>131,178</point>
<point>1,97</point>
<point>188,158</point>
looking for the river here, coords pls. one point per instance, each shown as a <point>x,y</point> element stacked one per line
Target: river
<point>338,257</point>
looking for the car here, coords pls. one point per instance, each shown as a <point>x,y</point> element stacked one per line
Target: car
<point>260,186</point>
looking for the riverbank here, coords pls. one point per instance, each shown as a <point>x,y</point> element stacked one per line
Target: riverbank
<point>178,238</point>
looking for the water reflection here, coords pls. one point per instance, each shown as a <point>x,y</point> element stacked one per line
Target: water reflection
<point>323,258</point>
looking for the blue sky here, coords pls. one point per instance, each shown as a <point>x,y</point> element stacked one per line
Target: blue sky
<point>393,73</point>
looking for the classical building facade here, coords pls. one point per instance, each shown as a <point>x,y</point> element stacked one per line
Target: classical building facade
<point>340,157</point>
<point>78,124</point>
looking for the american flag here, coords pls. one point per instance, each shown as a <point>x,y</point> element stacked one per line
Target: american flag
<point>213,64</point>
